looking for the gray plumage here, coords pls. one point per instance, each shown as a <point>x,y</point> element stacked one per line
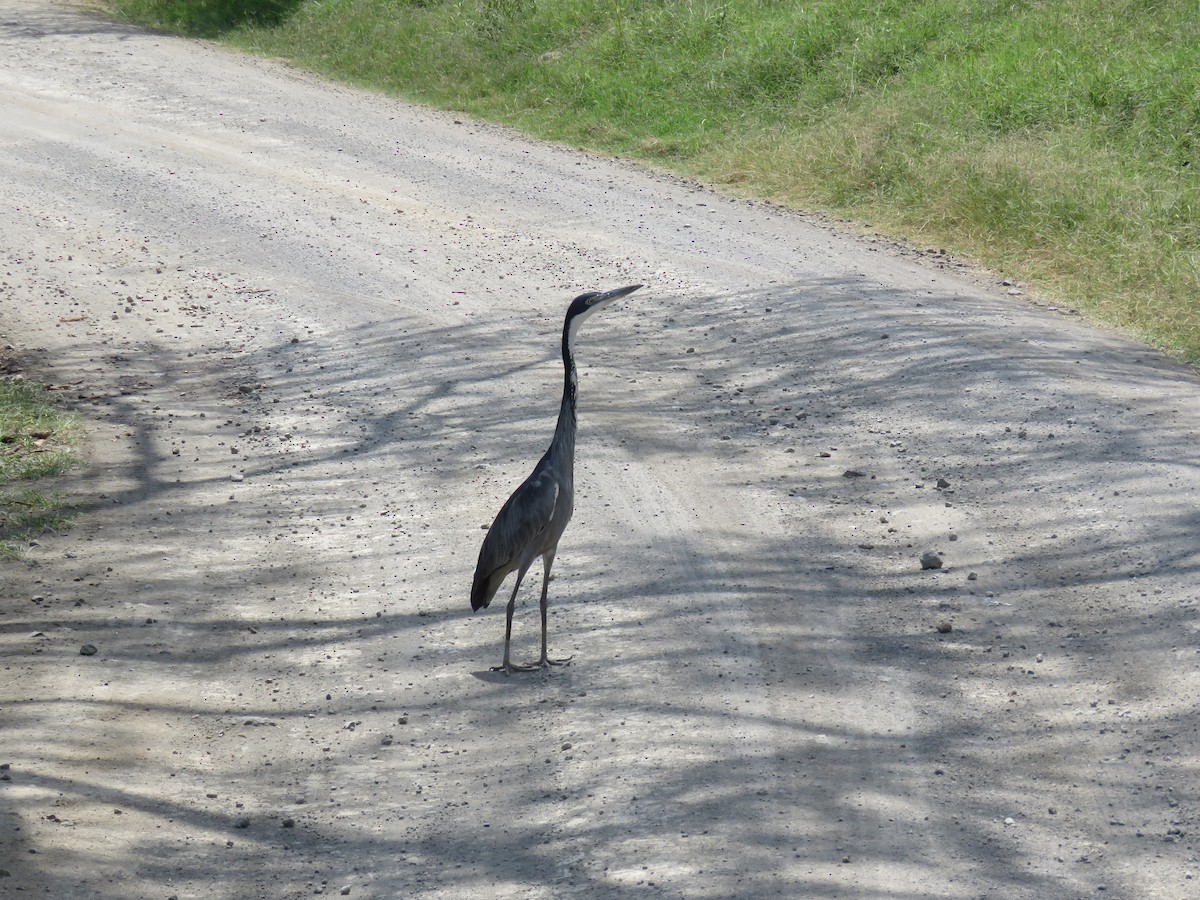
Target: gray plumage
<point>533,519</point>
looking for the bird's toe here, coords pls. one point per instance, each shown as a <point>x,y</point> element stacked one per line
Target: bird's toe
<point>509,668</point>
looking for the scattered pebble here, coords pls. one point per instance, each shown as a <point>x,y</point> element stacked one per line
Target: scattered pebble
<point>88,650</point>
<point>930,560</point>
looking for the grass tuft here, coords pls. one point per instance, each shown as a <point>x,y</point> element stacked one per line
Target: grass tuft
<point>1056,142</point>
<point>38,439</point>
<point>26,514</point>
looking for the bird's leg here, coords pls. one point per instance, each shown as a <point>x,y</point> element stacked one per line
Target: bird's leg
<point>507,667</point>
<point>547,562</point>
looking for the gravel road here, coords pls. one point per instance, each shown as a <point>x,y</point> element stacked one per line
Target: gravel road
<point>314,336</point>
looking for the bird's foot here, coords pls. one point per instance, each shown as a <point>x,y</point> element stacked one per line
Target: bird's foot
<point>508,668</point>
<point>546,661</point>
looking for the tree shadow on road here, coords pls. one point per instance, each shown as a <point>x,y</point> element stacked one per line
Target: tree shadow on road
<point>1022,746</point>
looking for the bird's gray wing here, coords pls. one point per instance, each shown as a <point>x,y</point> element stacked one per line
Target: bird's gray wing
<point>528,513</point>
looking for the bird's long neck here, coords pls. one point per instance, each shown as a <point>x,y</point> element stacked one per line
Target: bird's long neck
<point>564,434</point>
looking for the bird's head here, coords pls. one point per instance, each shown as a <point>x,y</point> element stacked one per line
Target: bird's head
<point>592,302</point>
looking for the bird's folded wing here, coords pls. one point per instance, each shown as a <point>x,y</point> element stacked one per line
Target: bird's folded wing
<point>528,512</point>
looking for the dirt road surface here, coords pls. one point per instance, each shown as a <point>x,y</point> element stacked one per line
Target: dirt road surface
<point>314,336</point>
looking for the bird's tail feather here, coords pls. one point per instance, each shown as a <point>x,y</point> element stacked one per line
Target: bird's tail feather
<point>480,595</point>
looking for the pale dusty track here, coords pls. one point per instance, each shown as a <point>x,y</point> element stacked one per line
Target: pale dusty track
<point>314,336</point>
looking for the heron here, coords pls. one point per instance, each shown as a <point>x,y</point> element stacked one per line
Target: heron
<point>533,519</point>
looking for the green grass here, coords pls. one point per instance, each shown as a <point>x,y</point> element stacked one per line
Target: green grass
<point>1053,140</point>
<point>38,440</point>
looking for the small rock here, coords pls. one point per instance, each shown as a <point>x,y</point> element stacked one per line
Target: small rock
<point>974,576</point>
<point>943,483</point>
<point>853,473</point>
<point>1009,820</point>
<point>288,823</point>
<point>237,476</point>
<point>88,650</point>
<point>944,627</point>
<point>930,560</point>
<point>242,823</point>
<point>566,745</point>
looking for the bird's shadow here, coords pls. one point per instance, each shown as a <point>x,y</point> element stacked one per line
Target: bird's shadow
<point>491,676</point>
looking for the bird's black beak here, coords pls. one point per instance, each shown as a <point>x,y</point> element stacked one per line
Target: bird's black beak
<point>588,304</point>
<point>615,294</point>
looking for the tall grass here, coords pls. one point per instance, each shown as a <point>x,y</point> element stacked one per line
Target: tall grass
<point>1055,141</point>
